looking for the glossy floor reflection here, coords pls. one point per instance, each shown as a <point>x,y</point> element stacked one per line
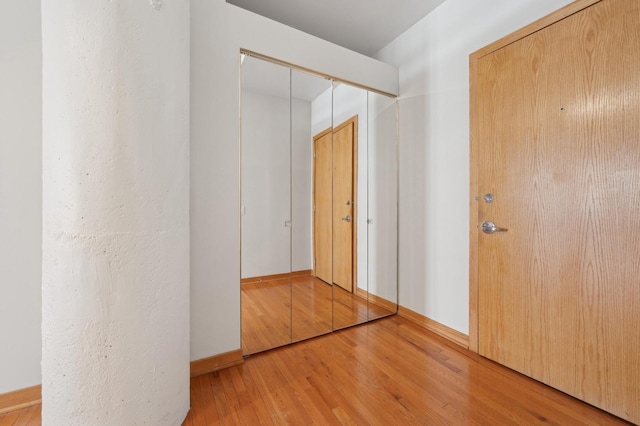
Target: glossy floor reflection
<point>268,319</point>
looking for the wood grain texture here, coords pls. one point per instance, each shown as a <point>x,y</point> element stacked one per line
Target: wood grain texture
<point>387,372</point>
<point>435,327</point>
<point>323,206</point>
<point>568,10</point>
<point>388,307</point>
<point>474,192</point>
<point>20,398</point>
<point>390,371</point>
<point>311,307</point>
<point>29,416</point>
<point>275,276</point>
<point>343,197</point>
<point>269,320</point>
<point>215,363</point>
<point>348,308</point>
<point>265,315</point>
<point>476,103</point>
<point>558,132</point>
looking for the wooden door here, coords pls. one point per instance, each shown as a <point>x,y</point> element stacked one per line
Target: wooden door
<point>323,217</point>
<point>558,145</point>
<point>343,203</point>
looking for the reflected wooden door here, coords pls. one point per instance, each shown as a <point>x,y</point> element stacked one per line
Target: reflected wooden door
<point>343,204</point>
<point>322,217</point>
<point>334,207</point>
<point>558,139</point>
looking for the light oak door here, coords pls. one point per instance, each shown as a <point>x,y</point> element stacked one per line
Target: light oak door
<point>558,134</point>
<point>343,205</point>
<point>323,216</point>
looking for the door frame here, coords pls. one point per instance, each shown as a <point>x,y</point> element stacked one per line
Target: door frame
<point>354,240</point>
<point>475,104</point>
<point>314,140</point>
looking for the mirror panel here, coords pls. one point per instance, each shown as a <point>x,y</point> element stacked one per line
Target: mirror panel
<point>265,205</point>
<point>349,205</point>
<point>311,295</point>
<point>382,206</point>
<point>319,218</point>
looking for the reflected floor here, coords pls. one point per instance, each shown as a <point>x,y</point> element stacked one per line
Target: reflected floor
<point>267,313</point>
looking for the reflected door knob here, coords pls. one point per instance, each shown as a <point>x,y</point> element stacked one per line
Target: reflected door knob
<point>490,227</point>
<point>347,219</point>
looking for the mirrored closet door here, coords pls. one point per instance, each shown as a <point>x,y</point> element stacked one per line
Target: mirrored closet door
<point>382,211</point>
<point>318,205</point>
<point>266,250</point>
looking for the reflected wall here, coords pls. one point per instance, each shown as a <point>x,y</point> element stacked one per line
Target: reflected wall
<point>318,205</point>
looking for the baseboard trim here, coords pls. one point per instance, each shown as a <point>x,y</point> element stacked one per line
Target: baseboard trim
<point>435,327</point>
<point>21,398</point>
<point>28,397</point>
<point>274,277</point>
<point>361,293</point>
<point>214,363</point>
<point>377,300</point>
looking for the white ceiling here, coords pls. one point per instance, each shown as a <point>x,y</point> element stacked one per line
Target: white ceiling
<point>364,26</point>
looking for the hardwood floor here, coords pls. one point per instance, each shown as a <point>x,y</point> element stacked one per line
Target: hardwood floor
<point>266,315</point>
<point>311,313</point>
<point>350,309</point>
<point>25,417</point>
<point>278,311</point>
<point>387,372</point>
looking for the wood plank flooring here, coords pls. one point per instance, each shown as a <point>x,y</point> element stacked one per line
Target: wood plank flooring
<point>280,311</point>
<point>25,417</point>
<point>387,372</point>
<point>266,315</point>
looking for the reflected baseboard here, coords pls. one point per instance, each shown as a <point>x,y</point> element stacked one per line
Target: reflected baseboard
<point>434,326</point>
<point>377,300</point>
<point>275,277</point>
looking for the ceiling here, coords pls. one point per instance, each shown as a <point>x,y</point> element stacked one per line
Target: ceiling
<point>364,26</point>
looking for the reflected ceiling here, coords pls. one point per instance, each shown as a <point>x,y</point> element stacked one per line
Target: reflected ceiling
<point>270,79</point>
<point>364,26</point>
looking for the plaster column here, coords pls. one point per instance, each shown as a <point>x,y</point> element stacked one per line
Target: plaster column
<point>115,291</point>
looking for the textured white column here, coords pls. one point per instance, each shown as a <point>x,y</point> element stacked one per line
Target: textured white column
<point>115,294</point>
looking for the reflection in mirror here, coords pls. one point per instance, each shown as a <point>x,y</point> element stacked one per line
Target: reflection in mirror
<point>311,290</point>
<point>349,193</point>
<point>318,205</point>
<point>382,206</point>
<point>265,205</point>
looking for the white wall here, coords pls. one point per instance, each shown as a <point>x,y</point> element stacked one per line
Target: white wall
<point>433,58</point>
<point>265,191</point>
<point>301,186</point>
<point>20,194</point>
<point>382,203</point>
<point>276,185</point>
<point>218,31</point>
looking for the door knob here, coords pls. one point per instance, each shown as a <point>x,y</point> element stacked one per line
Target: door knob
<point>347,219</point>
<point>490,227</point>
